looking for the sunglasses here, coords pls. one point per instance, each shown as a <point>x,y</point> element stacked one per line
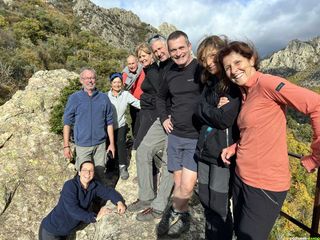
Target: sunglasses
<point>156,37</point>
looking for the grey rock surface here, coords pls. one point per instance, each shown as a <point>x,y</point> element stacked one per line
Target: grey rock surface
<point>33,170</point>
<point>297,56</point>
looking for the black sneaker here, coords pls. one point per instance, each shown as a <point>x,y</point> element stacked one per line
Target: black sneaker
<point>138,205</point>
<point>181,225</point>
<point>149,214</point>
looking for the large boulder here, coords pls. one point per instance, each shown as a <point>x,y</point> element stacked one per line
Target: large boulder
<point>32,165</point>
<point>33,170</point>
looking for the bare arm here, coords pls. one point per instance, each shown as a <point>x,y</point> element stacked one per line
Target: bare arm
<point>66,145</point>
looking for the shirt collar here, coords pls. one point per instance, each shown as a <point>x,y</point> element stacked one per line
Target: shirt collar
<point>92,184</point>
<point>117,95</point>
<point>95,92</point>
<point>253,80</point>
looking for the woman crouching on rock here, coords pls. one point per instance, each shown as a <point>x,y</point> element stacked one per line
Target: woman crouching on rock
<point>73,207</point>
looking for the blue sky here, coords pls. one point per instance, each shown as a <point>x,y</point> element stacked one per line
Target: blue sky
<point>270,25</point>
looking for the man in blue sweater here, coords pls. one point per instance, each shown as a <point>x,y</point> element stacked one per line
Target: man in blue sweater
<point>90,112</point>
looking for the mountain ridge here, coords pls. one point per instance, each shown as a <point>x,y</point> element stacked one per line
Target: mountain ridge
<point>297,55</point>
<point>298,61</point>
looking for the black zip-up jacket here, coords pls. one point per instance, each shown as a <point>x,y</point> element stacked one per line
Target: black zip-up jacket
<point>219,128</point>
<point>150,87</point>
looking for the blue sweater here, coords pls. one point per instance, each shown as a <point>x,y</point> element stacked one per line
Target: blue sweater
<point>89,116</point>
<point>73,205</point>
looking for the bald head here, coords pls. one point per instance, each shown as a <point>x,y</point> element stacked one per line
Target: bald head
<point>132,63</point>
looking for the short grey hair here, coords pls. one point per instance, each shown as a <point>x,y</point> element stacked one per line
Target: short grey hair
<point>87,69</point>
<point>155,38</point>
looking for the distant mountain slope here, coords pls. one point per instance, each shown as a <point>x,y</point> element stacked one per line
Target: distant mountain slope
<point>118,27</point>
<point>297,55</point>
<point>299,61</point>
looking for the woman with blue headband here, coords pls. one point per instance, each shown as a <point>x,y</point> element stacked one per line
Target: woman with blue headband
<point>120,99</point>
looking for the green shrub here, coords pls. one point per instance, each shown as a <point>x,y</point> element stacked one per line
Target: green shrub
<point>56,118</point>
<point>35,36</point>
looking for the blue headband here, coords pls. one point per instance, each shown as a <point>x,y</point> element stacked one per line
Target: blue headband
<point>115,75</point>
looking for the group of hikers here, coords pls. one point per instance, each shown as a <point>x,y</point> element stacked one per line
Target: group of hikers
<point>218,122</point>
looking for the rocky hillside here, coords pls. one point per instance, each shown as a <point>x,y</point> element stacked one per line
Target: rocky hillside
<point>53,34</point>
<point>118,27</point>
<point>299,59</point>
<point>33,169</point>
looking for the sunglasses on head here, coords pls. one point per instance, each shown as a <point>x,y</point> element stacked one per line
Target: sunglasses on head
<point>156,37</point>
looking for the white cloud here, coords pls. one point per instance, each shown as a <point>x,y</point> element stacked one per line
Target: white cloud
<point>270,25</point>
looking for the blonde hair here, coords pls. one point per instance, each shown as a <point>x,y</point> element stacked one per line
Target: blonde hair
<point>143,47</point>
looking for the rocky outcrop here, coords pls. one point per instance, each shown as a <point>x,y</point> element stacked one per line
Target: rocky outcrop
<point>33,170</point>
<point>118,27</point>
<point>166,28</point>
<point>297,56</point>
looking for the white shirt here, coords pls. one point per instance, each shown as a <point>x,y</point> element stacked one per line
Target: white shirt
<point>119,106</point>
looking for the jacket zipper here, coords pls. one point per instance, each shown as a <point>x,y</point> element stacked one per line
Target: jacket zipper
<point>227,136</point>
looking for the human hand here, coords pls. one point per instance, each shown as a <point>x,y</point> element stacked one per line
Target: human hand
<point>167,125</point>
<point>102,212</point>
<point>222,101</point>
<point>112,149</point>
<point>226,154</point>
<point>309,163</point>
<point>121,208</point>
<point>67,153</point>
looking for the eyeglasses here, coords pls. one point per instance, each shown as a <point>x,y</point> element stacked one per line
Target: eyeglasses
<point>87,171</point>
<point>156,37</point>
<point>89,78</point>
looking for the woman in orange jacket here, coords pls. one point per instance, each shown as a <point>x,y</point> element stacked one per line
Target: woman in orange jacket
<point>262,165</point>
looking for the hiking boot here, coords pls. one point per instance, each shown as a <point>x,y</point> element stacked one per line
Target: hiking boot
<point>180,226</point>
<point>149,214</point>
<point>138,205</point>
<point>124,174</point>
<point>167,218</point>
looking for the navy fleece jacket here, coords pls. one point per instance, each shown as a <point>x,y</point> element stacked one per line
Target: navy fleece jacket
<point>73,205</point>
<point>89,115</point>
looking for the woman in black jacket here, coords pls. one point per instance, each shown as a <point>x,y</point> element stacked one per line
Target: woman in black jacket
<point>150,86</point>
<point>218,110</point>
